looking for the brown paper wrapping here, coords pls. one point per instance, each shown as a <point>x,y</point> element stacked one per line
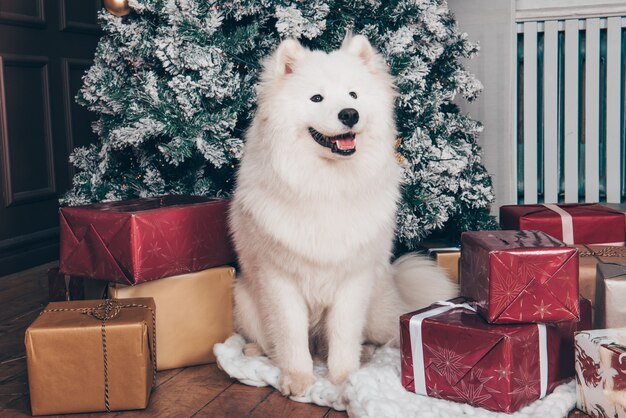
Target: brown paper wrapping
<point>590,256</point>
<point>65,358</point>
<point>448,260</point>
<point>610,295</point>
<point>195,311</point>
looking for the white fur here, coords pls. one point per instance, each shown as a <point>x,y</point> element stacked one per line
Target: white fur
<point>314,230</point>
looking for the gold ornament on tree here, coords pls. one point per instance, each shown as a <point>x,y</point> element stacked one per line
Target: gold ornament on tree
<point>399,156</point>
<point>117,7</point>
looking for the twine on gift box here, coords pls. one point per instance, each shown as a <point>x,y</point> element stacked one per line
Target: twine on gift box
<point>105,311</point>
<point>604,252</point>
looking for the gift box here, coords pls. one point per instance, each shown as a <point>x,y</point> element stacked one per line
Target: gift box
<point>601,372</point>
<point>520,276</point>
<point>589,257</point>
<point>63,287</point>
<point>139,240</point>
<point>619,207</point>
<point>581,223</point>
<point>610,296</point>
<point>87,356</point>
<point>448,351</point>
<point>446,256</point>
<point>195,311</point>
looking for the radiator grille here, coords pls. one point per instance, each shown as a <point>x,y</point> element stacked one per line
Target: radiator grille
<point>571,115</point>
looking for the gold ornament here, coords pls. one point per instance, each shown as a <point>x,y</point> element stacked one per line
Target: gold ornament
<point>117,7</point>
<point>399,157</point>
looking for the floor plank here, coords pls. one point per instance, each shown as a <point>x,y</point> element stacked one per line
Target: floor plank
<point>186,393</point>
<point>236,401</point>
<point>276,405</point>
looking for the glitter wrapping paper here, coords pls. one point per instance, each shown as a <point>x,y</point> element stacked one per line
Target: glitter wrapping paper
<point>601,372</point>
<point>497,367</point>
<point>139,240</point>
<point>590,223</point>
<point>520,276</point>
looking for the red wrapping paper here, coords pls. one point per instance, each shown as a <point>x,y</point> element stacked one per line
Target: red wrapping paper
<point>62,287</point>
<point>495,367</point>
<point>519,276</point>
<point>145,239</point>
<point>592,223</point>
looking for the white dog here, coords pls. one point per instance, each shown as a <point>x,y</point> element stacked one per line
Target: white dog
<point>313,214</point>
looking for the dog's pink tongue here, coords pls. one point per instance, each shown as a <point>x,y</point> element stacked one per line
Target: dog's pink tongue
<point>346,143</point>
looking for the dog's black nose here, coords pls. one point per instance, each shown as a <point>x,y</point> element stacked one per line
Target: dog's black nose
<point>348,117</point>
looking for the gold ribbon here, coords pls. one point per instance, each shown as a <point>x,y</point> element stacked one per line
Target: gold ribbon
<point>107,310</point>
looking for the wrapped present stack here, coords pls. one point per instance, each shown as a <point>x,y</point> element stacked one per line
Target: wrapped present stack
<point>173,256</point>
<point>509,340</point>
<point>598,231</point>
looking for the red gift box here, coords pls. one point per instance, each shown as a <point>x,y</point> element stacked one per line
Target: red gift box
<point>62,287</point>
<point>519,276</point>
<point>578,223</point>
<point>450,352</point>
<point>139,240</point>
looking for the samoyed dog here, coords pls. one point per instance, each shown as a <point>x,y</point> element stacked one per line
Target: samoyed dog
<point>314,212</point>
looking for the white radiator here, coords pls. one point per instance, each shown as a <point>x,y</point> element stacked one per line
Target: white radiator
<point>571,122</point>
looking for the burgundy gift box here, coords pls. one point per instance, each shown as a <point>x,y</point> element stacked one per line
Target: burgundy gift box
<point>498,367</point>
<point>520,276</point>
<point>580,223</point>
<point>139,240</point>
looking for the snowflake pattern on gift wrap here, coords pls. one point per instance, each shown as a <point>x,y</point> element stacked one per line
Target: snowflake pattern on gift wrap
<point>473,394</point>
<point>447,362</point>
<point>506,287</point>
<point>435,392</point>
<point>503,372</point>
<point>543,309</point>
<point>524,382</point>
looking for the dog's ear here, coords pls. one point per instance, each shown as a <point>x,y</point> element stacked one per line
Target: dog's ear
<point>286,56</point>
<point>359,46</point>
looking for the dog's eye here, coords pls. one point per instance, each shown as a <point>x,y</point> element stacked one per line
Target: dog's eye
<point>317,98</point>
<point>353,95</point>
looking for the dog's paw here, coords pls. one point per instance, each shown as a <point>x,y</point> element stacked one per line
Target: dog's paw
<point>295,383</point>
<point>252,350</point>
<point>338,377</point>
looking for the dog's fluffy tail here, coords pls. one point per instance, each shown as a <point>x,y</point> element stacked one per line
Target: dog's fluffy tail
<point>414,282</point>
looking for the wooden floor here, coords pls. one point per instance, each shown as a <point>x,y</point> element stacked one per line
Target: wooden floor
<point>201,391</point>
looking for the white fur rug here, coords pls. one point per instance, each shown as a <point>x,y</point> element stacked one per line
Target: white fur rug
<point>375,390</point>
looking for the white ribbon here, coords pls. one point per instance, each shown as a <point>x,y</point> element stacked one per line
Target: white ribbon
<point>417,347</point>
<point>567,224</point>
<point>543,360</point>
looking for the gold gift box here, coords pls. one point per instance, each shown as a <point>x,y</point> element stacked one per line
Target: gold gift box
<point>448,259</point>
<point>91,355</point>
<point>610,295</point>
<point>195,311</point>
<point>590,256</point>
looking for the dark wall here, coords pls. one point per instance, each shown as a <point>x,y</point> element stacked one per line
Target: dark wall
<point>45,47</point>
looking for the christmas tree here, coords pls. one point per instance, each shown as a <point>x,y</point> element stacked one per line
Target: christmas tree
<point>173,85</point>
